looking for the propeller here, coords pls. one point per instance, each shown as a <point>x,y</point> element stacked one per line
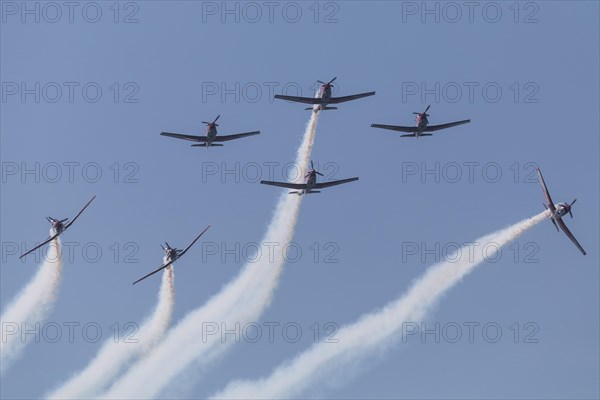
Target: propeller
<point>312,166</point>
<point>214,122</point>
<point>328,83</point>
<point>570,205</point>
<point>424,112</point>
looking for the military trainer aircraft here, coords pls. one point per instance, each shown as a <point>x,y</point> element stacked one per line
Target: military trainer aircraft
<point>558,211</point>
<point>171,255</point>
<point>323,98</point>
<point>58,227</point>
<point>422,125</point>
<point>311,183</point>
<point>211,135</point>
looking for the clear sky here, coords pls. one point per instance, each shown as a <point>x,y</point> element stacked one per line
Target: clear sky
<point>83,104</point>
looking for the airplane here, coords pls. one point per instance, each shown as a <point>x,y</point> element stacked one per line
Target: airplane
<point>58,227</point>
<point>323,98</point>
<point>421,126</point>
<point>311,183</point>
<point>556,213</point>
<point>171,255</point>
<point>211,135</point>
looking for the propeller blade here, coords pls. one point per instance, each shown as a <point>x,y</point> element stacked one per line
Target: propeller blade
<point>161,246</point>
<point>318,173</point>
<point>573,202</point>
<point>320,82</point>
<point>66,219</point>
<point>207,123</point>
<point>334,78</point>
<point>427,108</point>
<point>218,116</point>
<point>312,164</point>
<point>570,213</point>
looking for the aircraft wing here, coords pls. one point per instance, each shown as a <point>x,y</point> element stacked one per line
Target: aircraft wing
<point>431,128</point>
<point>184,137</point>
<point>567,232</point>
<point>546,193</point>
<point>334,183</point>
<point>51,238</point>
<point>286,184</point>
<point>225,138</point>
<point>343,99</point>
<point>153,272</point>
<point>297,99</point>
<point>396,127</point>
<point>78,214</point>
<point>194,241</point>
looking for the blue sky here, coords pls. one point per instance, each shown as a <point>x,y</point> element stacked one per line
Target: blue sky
<point>167,67</point>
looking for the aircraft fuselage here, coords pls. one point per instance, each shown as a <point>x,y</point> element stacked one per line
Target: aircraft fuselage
<point>311,180</point>
<point>324,95</point>
<point>57,225</point>
<point>422,123</point>
<point>211,133</point>
<point>170,255</point>
<point>561,210</point>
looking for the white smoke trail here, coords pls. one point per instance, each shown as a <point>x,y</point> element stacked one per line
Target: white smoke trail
<point>30,306</point>
<point>113,356</point>
<point>375,330</point>
<point>242,300</point>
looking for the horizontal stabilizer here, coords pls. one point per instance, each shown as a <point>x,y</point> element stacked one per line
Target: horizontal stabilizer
<point>204,145</point>
<point>314,191</point>
<point>326,108</point>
